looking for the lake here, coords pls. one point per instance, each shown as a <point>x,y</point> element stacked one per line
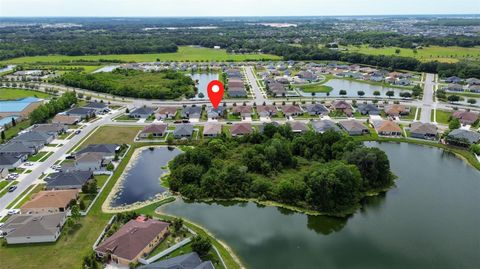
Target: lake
<point>142,179</point>
<point>352,87</point>
<point>203,80</point>
<point>431,219</point>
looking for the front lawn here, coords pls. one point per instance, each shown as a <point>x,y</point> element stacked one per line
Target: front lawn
<point>113,134</point>
<point>38,156</point>
<point>443,116</point>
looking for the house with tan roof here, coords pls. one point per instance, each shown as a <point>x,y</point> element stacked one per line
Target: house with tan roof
<point>266,110</point>
<point>166,112</point>
<point>465,117</point>
<point>243,111</point>
<point>387,128</point>
<point>66,119</point>
<point>291,110</point>
<point>212,129</point>
<point>153,130</point>
<point>423,130</point>
<point>298,126</point>
<point>49,202</point>
<point>396,110</point>
<point>354,127</point>
<point>241,128</point>
<point>343,106</point>
<point>133,240</point>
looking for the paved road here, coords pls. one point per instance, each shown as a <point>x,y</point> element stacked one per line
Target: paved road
<point>260,96</point>
<point>427,101</point>
<point>37,172</point>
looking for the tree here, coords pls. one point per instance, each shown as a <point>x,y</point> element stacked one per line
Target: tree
<point>343,92</point>
<point>472,101</point>
<point>361,93</point>
<point>201,95</point>
<point>75,214</point>
<point>390,94</point>
<point>397,51</point>
<point>177,224</point>
<point>376,93</point>
<point>453,98</point>
<point>454,124</point>
<point>3,135</point>
<point>201,245</point>
<point>14,123</point>
<point>110,167</point>
<point>170,140</point>
<point>373,165</point>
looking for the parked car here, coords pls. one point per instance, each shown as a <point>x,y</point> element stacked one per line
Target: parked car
<point>13,211</point>
<point>78,132</point>
<point>12,188</point>
<point>28,164</point>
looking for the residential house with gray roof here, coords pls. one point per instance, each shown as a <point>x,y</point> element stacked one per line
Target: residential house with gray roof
<point>18,147</point>
<point>142,112</point>
<point>368,109</point>
<point>321,126</point>
<point>317,109</point>
<point>192,112</point>
<point>81,112</point>
<point>33,228</point>
<point>106,150</point>
<point>354,127</point>
<point>423,130</point>
<point>68,180</point>
<point>186,261</point>
<point>461,137</point>
<point>183,130</point>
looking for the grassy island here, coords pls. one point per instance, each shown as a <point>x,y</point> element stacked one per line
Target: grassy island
<point>166,84</point>
<point>326,173</point>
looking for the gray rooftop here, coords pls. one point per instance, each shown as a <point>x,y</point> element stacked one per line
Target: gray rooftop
<point>470,136</point>
<point>62,179</point>
<point>33,225</point>
<point>185,261</point>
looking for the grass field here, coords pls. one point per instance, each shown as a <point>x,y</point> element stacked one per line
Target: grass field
<point>316,88</point>
<point>443,117</point>
<point>12,94</point>
<point>185,53</point>
<point>113,134</point>
<point>432,53</point>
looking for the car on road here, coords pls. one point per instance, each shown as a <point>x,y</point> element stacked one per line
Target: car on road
<point>13,211</point>
<point>28,164</point>
<point>229,122</point>
<point>78,132</point>
<point>12,188</point>
<point>185,121</point>
<point>177,121</point>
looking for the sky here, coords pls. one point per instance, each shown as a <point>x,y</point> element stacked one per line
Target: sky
<point>197,8</point>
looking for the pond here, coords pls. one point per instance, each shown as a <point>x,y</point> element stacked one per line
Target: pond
<point>141,180</point>
<point>352,87</point>
<point>7,68</point>
<point>203,80</point>
<point>431,219</point>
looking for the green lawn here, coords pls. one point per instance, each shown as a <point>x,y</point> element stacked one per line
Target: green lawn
<point>443,116</point>
<point>431,53</point>
<point>113,134</point>
<point>314,88</point>
<point>38,156</point>
<point>411,115</point>
<point>185,53</point>
<point>13,131</point>
<point>12,94</point>
<point>125,117</point>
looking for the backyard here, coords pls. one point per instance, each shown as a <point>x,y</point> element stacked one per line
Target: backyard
<point>13,94</point>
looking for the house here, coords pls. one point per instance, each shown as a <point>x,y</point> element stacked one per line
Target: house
<point>368,109</point>
<point>216,113</point>
<point>133,240</point>
<point>242,128</point>
<point>473,81</point>
<point>343,106</point>
<point>462,137</point>
<point>87,161</point>
<point>186,261</point>
<point>307,75</point>
<point>166,112</point>
<point>276,88</point>
<point>45,202</point>
<point>465,117</point>
<point>317,109</point>
<point>474,88</point>
<point>354,127</point>
<point>52,129</point>
<point>298,126</point>
<point>191,112</point>
<point>211,129</point>
<point>291,110</point>
<point>321,126</point>
<point>237,91</point>
<point>142,112</point>
<point>19,148</point>
<point>387,128</point>
<point>33,228</point>
<point>10,161</point>
<point>453,79</point>
<point>454,88</point>
<point>153,130</point>
<point>81,112</point>
<point>423,130</point>
<point>66,119</point>
<point>266,110</point>
<point>107,151</point>
<point>34,137</point>
<point>243,111</point>
<point>183,130</point>
<point>396,110</point>
<point>68,180</point>
<point>99,107</point>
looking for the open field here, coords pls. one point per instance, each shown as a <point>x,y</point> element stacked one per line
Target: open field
<point>432,53</point>
<point>12,94</point>
<point>184,53</point>
<point>316,87</point>
<point>113,134</point>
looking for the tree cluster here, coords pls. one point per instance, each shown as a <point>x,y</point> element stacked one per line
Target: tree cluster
<point>46,111</point>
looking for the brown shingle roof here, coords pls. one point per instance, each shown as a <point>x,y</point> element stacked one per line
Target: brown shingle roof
<point>466,117</point>
<point>212,128</point>
<point>154,128</point>
<point>65,119</point>
<point>167,110</point>
<point>132,238</point>
<point>267,108</point>
<point>242,109</point>
<point>290,109</point>
<point>51,199</point>
<point>241,129</point>
<point>389,127</point>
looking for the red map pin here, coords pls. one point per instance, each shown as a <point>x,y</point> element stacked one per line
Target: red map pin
<point>215,92</point>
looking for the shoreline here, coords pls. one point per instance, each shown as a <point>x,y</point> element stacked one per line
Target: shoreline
<point>106,206</point>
